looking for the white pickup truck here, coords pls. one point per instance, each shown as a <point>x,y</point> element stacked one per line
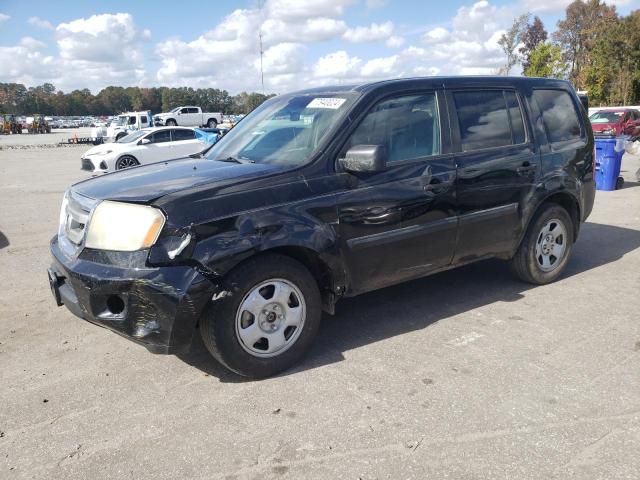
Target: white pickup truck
<point>188,117</point>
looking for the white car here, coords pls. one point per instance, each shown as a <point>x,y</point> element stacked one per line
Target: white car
<point>144,146</point>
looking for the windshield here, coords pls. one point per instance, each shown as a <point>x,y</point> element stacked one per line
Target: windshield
<point>284,130</point>
<point>175,110</point>
<point>132,137</point>
<point>119,121</point>
<point>606,117</point>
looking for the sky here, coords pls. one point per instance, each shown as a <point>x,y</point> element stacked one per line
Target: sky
<point>306,43</point>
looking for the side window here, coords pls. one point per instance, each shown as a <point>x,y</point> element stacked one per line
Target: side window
<point>408,127</point>
<point>132,120</point>
<point>558,115</point>
<point>161,136</point>
<point>184,110</point>
<point>193,110</point>
<point>180,134</point>
<point>483,119</point>
<point>143,119</point>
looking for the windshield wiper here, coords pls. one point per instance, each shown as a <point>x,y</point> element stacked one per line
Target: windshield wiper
<point>236,160</point>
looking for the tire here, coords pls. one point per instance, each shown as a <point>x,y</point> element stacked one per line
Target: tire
<point>528,264</point>
<point>212,123</point>
<point>224,320</point>
<point>171,123</point>
<point>126,161</point>
<point>120,135</point>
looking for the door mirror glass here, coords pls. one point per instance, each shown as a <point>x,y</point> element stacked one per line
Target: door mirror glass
<point>365,158</point>
<point>144,141</point>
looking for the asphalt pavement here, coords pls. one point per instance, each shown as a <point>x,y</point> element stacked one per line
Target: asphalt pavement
<point>467,374</point>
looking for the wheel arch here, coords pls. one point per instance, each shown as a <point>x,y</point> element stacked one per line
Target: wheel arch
<point>566,200</point>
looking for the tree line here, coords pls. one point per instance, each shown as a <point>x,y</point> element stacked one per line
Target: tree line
<point>47,100</point>
<point>593,46</point>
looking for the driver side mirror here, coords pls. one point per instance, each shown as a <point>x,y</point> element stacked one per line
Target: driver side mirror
<point>144,141</point>
<point>365,158</point>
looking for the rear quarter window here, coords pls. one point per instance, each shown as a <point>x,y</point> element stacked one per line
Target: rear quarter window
<point>559,116</point>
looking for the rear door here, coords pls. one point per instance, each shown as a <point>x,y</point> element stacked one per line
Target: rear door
<point>400,223</point>
<point>497,165</point>
<point>184,142</point>
<point>160,148</point>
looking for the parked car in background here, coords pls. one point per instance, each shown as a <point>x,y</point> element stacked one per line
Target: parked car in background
<point>625,121</point>
<point>188,117</point>
<point>144,146</point>
<point>324,194</point>
<point>122,125</point>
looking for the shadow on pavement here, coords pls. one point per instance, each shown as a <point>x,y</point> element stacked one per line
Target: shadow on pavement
<point>415,305</point>
<point>4,241</point>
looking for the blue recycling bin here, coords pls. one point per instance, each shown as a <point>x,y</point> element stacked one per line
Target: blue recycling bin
<point>608,163</point>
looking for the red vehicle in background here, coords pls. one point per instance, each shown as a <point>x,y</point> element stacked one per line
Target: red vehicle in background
<point>624,121</point>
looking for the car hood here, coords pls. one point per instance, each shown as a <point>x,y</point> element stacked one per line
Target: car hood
<point>147,183</point>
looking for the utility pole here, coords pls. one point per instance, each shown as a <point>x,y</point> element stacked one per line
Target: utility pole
<point>261,49</point>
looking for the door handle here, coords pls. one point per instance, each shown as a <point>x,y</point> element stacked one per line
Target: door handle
<point>526,168</point>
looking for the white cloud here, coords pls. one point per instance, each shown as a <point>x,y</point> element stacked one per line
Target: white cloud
<point>304,43</point>
<point>380,67</point>
<point>26,63</point>
<point>295,9</point>
<point>372,33</point>
<point>32,44</point>
<point>394,41</point>
<point>336,65</point>
<point>436,35</point>
<point>307,31</point>
<point>4,17</point>
<point>40,23</point>
<point>284,58</point>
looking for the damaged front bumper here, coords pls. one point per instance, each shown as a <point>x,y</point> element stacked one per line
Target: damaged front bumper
<point>157,307</point>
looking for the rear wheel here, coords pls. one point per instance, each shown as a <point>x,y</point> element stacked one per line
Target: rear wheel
<point>126,161</point>
<point>268,321</point>
<point>545,249</point>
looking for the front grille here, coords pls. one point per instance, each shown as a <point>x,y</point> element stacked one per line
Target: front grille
<point>87,165</point>
<point>76,210</point>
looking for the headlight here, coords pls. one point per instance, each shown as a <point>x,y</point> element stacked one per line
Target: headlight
<point>124,227</point>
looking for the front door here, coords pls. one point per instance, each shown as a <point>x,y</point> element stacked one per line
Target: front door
<point>400,223</point>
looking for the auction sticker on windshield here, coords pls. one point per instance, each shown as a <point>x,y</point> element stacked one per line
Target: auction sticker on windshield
<point>332,103</point>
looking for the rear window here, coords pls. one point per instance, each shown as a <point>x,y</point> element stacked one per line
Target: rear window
<point>559,115</point>
<point>180,134</point>
<point>488,118</point>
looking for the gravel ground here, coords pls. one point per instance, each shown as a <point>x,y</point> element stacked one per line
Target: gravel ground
<point>466,374</point>
<point>25,140</point>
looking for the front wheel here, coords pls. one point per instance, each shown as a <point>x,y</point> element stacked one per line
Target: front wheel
<point>212,123</point>
<point>171,123</point>
<point>269,319</point>
<point>545,249</point>
<point>126,161</point>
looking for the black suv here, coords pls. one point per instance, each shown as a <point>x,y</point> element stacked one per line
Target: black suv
<point>323,194</point>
